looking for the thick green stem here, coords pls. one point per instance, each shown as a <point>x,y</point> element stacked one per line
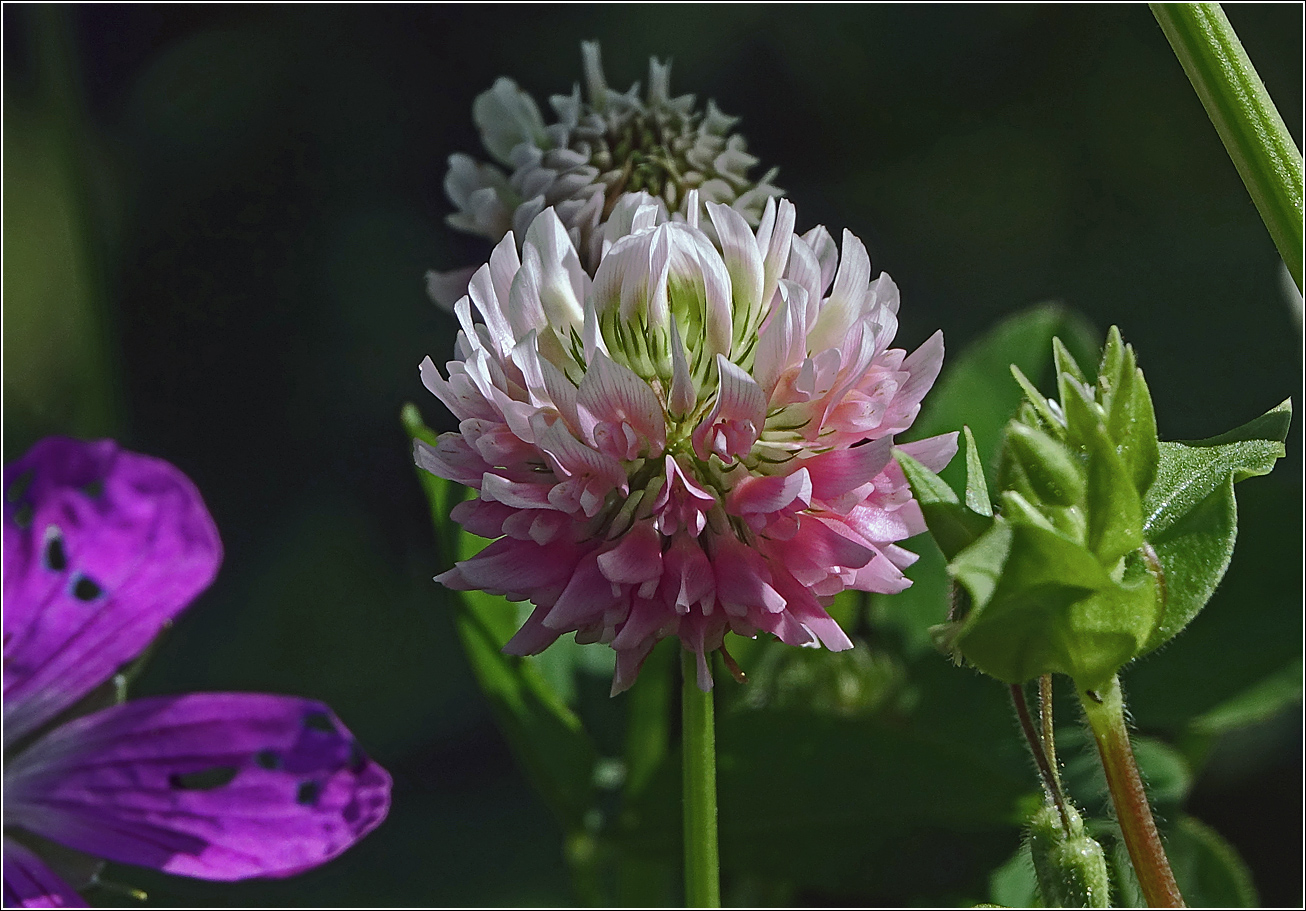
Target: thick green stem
<point>698,771</point>
<point>1105,710</point>
<point>1249,124</point>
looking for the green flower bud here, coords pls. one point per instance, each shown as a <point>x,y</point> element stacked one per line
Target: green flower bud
<point>1040,467</point>
<point>1106,543</point>
<point>1070,866</point>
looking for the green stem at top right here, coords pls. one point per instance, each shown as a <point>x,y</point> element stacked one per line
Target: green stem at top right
<point>1249,124</point>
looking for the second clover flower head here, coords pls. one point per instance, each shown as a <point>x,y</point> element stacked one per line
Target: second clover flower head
<point>696,440</point>
<point>603,144</point>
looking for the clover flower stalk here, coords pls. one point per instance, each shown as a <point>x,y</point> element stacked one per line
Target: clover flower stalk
<point>604,144</point>
<point>102,548</point>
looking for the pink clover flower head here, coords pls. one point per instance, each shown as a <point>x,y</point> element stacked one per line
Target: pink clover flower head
<point>696,440</point>
<point>102,548</point>
<point>602,144</point>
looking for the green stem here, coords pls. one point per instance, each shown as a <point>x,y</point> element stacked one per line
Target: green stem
<point>1045,719</point>
<point>1249,124</point>
<point>1105,710</point>
<point>702,877</point>
<point>1038,748</point>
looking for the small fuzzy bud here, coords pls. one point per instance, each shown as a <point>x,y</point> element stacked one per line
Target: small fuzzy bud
<point>1070,865</point>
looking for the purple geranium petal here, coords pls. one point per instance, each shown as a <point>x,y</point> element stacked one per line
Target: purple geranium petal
<point>213,785</point>
<point>102,547</point>
<point>29,883</point>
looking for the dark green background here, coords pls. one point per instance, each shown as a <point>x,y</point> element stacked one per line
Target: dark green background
<point>217,224</point>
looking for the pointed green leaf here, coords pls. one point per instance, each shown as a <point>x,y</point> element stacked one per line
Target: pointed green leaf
<point>1067,365</point>
<point>1114,509</point>
<point>1112,364</point>
<point>952,525</point>
<point>977,488</point>
<point>1133,426</point>
<point>1127,402</point>
<point>1192,471</point>
<point>1190,515</point>
<point>1035,399</point>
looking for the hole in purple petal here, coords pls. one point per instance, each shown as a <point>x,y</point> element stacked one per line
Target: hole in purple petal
<point>56,558</point>
<point>86,589</point>
<point>23,515</point>
<point>319,721</point>
<point>267,759</point>
<point>94,488</point>
<point>308,793</point>
<point>205,780</point>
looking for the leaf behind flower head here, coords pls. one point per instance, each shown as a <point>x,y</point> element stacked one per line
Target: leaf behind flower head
<point>546,736</point>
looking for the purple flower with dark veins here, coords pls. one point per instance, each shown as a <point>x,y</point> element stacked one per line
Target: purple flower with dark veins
<point>102,548</point>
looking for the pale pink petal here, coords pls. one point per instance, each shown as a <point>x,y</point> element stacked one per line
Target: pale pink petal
<point>933,452</point>
<point>841,470</point>
<point>736,419</point>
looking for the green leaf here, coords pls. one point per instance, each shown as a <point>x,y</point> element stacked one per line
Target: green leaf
<point>1130,417</point>
<point>1190,516</point>
<point>545,735</point>
<point>952,525</point>
<point>1192,471</point>
<point>1250,631</point>
<point>1208,870</point>
<point>1069,375</point>
<point>1259,702</point>
<point>1041,466</point>
<point>1115,520</point>
<point>977,488</point>
<point>1035,400</point>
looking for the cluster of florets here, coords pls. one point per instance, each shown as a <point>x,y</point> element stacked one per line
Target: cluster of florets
<point>696,439</point>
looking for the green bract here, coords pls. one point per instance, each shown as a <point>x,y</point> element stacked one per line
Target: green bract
<point>1105,543</point>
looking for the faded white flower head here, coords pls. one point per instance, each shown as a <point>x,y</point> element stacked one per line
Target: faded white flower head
<point>604,144</point>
